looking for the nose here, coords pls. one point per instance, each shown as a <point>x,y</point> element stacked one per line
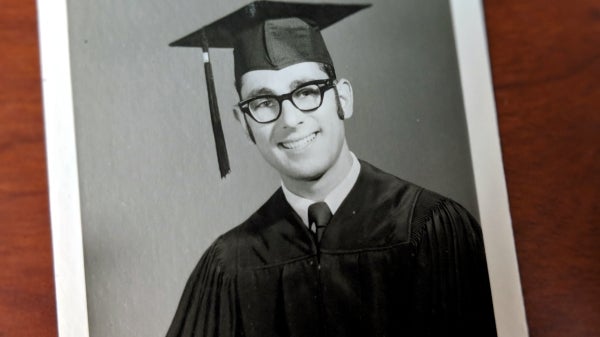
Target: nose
<point>290,115</point>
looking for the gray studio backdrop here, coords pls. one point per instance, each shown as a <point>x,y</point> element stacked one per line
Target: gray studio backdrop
<point>152,197</point>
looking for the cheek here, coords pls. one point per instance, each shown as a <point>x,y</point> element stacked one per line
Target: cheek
<point>259,131</point>
<point>336,136</point>
<point>333,124</point>
<point>262,136</point>
<point>334,114</point>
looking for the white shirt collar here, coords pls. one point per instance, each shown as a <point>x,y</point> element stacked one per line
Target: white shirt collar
<point>334,199</point>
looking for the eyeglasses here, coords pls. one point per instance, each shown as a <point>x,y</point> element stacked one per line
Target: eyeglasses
<point>306,98</point>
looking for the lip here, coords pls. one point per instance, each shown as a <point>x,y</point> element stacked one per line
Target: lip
<point>299,143</point>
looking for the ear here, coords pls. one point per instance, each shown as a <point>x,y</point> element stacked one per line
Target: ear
<point>241,118</point>
<point>345,97</point>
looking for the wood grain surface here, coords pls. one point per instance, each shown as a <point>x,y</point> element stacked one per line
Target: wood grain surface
<point>546,67</point>
<point>26,279</point>
<point>545,59</point>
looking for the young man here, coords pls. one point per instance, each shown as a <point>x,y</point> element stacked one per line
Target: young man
<point>342,248</point>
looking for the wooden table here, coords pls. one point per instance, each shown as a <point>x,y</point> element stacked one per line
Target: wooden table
<point>545,58</point>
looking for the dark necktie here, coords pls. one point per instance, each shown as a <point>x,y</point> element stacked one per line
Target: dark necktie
<point>319,216</point>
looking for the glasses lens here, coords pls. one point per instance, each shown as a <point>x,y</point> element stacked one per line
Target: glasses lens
<point>264,109</point>
<point>307,97</point>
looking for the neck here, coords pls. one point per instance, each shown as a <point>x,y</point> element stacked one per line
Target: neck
<point>318,189</point>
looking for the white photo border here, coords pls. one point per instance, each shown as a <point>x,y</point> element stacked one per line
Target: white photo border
<point>492,196</point>
<point>486,155</point>
<point>63,176</point>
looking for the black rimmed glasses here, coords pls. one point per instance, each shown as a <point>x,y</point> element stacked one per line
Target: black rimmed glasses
<point>307,97</point>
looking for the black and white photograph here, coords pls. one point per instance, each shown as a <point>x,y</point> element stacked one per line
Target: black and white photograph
<point>276,168</point>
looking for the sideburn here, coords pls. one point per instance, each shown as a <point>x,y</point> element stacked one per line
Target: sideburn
<point>340,111</point>
<point>250,134</point>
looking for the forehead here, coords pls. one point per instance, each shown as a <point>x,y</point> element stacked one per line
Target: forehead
<point>282,80</point>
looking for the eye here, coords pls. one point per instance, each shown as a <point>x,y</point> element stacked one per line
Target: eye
<point>262,103</point>
<point>307,91</point>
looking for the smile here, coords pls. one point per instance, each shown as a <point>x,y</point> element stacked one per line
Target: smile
<point>299,143</point>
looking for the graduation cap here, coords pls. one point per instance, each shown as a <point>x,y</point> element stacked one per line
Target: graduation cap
<point>264,35</point>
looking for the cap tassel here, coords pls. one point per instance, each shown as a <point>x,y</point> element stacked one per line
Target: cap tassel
<point>214,114</point>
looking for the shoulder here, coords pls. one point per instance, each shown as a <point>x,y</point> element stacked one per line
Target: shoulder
<point>381,188</point>
<point>415,208</point>
<point>263,238</point>
<point>435,215</point>
<point>387,194</point>
<point>272,212</point>
<point>378,210</point>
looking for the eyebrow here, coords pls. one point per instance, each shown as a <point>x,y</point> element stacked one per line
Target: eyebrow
<point>297,83</point>
<point>266,91</point>
<point>259,92</point>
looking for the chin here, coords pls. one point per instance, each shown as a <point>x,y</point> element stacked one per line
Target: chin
<point>307,176</point>
<point>309,165</point>
<point>307,172</point>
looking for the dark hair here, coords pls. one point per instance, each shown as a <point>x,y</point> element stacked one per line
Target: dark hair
<point>326,68</point>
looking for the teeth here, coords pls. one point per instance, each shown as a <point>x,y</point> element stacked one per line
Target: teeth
<point>300,142</point>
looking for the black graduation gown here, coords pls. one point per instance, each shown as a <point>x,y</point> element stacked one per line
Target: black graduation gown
<point>395,260</point>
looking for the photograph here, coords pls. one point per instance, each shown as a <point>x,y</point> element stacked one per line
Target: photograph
<point>276,168</point>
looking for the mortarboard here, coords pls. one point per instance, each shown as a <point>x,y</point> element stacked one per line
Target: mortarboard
<point>264,35</point>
